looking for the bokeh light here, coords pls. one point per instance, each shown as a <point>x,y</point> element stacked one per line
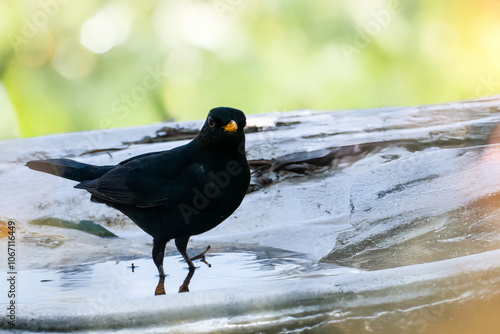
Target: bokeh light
<point>78,65</point>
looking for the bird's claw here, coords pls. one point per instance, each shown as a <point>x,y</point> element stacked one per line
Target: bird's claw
<point>201,257</point>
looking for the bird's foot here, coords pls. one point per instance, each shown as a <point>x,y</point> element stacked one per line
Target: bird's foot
<point>201,257</point>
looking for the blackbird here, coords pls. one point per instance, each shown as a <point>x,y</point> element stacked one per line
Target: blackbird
<point>172,194</point>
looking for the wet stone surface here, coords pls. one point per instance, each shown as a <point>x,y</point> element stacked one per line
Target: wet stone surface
<point>381,220</point>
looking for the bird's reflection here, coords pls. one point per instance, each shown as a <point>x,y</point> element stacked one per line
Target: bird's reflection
<point>160,288</point>
<point>185,285</point>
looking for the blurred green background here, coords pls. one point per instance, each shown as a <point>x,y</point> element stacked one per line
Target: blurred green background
<point>87,64</point>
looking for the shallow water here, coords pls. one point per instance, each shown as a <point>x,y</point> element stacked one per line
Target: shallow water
<point>284,294</point>
<point>115,280</point>
<point>416,209</point>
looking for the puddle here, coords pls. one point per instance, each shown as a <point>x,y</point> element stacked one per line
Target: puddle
<point>114,280</point>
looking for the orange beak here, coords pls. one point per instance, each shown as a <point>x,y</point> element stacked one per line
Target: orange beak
<point>231,126</point>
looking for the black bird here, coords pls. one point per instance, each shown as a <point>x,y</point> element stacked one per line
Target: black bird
<point>172,194</point>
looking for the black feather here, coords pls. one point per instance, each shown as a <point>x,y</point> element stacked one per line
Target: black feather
<point>172,194</point>
<point>69,169</point>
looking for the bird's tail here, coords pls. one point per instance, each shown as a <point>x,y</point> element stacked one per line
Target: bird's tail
<point>69,169</point>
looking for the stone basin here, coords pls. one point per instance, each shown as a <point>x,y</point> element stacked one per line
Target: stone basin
<point>381,220</point>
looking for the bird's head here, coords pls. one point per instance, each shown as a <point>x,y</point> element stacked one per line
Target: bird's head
<point>226,120</point>
<point>224,126</point>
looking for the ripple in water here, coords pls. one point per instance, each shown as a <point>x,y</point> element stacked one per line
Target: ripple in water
<point>112,280</point>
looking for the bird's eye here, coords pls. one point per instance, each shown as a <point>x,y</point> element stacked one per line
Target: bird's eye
<point>211,121</point>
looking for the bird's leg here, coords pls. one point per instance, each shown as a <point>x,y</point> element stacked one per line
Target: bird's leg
<point>202,257</point>
<point>159,254</point>
<point>181,244</point>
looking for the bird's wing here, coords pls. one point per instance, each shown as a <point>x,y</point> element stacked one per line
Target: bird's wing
<point>141,156</point>
<point>151,180</point>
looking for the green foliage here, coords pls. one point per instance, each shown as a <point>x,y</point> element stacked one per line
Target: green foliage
<point>78,65</point>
